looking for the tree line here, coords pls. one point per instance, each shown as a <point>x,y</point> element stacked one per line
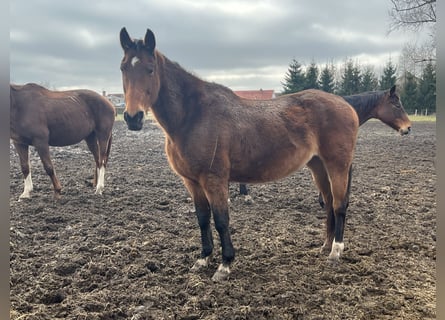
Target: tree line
<point>418,93</point>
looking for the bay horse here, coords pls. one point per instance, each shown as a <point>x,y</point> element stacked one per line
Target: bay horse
<point>41,118</point>
<point>384,105</point>
<point>214,137</point>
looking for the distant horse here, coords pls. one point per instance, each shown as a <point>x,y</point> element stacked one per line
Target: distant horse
<point>213,137</point>
<point>43,118</point>
<point>384,105</point>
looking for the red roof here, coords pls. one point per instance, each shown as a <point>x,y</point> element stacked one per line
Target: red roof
<point>256,94</point>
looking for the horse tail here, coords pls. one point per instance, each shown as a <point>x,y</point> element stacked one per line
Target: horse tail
<point>348,190</point>
<point>109,147</point>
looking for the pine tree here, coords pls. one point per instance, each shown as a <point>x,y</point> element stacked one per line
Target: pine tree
<point>388,78</point>
<point>369,80</point>
<point>427,88</point>
<point>294,79</point>
<point>311,77</point>
<point>327,79</point>
<point>350,82</point>
<point>408,94</point>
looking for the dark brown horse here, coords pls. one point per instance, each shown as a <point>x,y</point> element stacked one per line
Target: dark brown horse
<point>384,105</point>
<point>43,118</point>
<point>213,137</point>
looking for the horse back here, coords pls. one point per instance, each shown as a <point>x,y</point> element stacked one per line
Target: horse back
<point>61,117</point>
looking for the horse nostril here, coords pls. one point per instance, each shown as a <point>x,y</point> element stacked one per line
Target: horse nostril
<point>140,115</point>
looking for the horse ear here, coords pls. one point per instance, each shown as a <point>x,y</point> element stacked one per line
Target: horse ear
<point>126,42</point>
<point>393,90</point>
<point>150,41</point>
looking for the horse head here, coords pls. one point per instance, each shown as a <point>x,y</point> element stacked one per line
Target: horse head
<point>392,113</point>
<point>140,77</point>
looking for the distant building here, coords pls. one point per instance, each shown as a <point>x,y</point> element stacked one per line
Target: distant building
<point>256,94</point>
<point>116,99</point>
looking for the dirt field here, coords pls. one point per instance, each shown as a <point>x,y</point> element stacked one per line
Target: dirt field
<point>127,254</point>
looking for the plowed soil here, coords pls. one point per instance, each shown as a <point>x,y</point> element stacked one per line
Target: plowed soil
<point>127,254</point>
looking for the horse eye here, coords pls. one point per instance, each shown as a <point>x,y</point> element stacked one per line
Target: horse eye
<point>150,71</point>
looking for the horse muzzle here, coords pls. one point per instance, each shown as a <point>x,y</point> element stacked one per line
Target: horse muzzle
<point>404,131</point>
<point>135,122</point>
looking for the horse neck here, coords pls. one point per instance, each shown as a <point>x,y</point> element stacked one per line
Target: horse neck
<point>177,88</point>
<point>365,104</point>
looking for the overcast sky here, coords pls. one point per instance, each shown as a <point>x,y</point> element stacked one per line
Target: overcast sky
<point>241,44</point>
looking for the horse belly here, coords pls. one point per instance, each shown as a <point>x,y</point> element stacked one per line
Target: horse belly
<point>272,167</point>
<point>65,135</point>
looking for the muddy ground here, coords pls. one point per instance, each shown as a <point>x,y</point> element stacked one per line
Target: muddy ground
<point>127,254</point>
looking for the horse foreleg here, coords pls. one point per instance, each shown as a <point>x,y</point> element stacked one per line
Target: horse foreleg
<point>203,214</point>
<point>23,152</point>
<point>217,193</point>
<point>243,189</point>
<point>221,218</point>
<point>43,151</point>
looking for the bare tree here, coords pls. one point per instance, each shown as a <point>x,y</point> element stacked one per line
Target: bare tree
<point>412,14</point>
<point>415,15</point>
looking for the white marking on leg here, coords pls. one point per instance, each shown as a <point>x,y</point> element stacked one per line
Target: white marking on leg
<point>337,250</point>
<point>100,180</point>
<point>200,263</point>
<point>222,273</point>
<point>28,187</point>
<point>134,60</point>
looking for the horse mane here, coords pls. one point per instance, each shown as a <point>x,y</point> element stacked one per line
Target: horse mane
<point>364,103</point>
<point>175,68</point>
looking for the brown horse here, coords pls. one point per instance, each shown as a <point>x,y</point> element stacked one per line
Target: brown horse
<point>43,118</point>
<point>213,137</point>
<point>384,105</point>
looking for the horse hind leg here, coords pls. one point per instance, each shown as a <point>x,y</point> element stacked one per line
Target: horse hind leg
<point>100,150</point>
<point>104,153</point>
<point>23,152</point>
<point>340,185</point>
<point>321,180</point>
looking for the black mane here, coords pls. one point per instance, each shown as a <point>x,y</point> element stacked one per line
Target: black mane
<point>364,103</point>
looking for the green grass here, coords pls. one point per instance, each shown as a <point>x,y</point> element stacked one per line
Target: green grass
<point>431,118</point>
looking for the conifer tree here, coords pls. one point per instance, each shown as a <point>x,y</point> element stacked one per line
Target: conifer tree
<point>408,94</point>
<point>427,88</point>
<point>369,80</point>
<point>311,76</point>
<point>350,82</point>
<point>327,79</point>
<point>294,79</point>
<point>388,78</point>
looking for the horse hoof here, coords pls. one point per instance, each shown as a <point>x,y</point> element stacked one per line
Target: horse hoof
<point>200,263</point>
<point>337,250</point>
<point>24,196</point>
<point>221,274</point>
<point>325,248</point>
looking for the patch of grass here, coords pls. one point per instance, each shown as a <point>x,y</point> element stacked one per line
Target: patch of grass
<point>430,118</point>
